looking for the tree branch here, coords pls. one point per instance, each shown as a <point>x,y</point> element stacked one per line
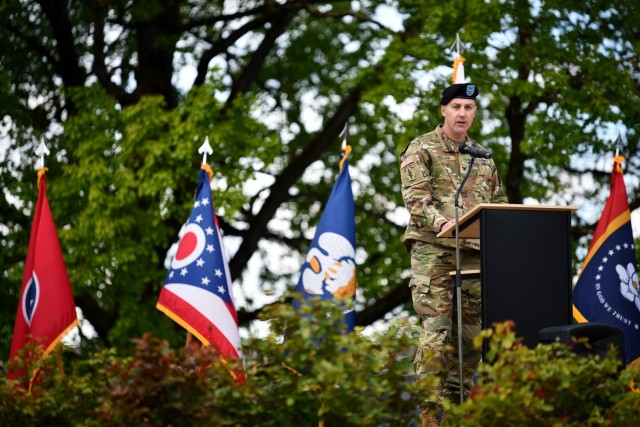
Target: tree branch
<point>396,296</point>
<point>339,15</point>
<point>101,320</point>
<point>251,70</point>
<point>99,67</point>
<point>68,65</point>
<point>279,191</point>
<point>221,46</point>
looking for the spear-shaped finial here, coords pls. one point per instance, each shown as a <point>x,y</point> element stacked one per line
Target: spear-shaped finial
<point>458,68</point>
<point>344,135</point>
<point>346,148</point>
<point>458,46</point>
<point>41,151</point>
<point>618,144</point>
<point>205,149</point>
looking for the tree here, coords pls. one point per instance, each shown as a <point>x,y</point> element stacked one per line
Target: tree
<point>124,93</point>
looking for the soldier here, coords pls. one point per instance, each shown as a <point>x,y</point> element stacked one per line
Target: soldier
<point>432,170</point>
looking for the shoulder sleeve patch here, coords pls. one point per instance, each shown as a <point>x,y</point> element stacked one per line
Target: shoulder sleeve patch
<point>406,162</point>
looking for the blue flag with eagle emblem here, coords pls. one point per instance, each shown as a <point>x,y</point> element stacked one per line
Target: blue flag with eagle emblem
<point>607,290</point>
<point>329,270</point>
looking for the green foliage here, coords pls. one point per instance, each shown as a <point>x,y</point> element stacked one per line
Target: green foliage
<point>110,89</point>
<point>342,379</point>
<point>303,373</point>
<point>546,385</point>
<point>130,185</point>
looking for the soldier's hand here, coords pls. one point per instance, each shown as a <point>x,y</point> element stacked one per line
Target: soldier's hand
<point>448,224</point>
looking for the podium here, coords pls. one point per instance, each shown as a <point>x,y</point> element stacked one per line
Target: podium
<point>525,267</point>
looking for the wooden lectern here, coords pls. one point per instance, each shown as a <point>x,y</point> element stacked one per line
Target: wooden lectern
<point>525,267</point>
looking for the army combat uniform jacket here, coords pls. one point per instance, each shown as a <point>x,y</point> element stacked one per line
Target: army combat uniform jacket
<point>432,170</point>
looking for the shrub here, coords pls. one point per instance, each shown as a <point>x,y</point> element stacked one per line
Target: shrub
<point>304,373</point>
<point>547,385</point>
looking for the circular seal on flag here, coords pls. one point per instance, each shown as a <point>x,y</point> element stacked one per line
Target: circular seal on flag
<point>190,247</point>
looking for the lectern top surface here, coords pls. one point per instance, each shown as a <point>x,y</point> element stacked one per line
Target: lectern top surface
<point>468,224</point>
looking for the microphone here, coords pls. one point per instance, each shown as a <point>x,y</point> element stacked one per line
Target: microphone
<point>474,152</point>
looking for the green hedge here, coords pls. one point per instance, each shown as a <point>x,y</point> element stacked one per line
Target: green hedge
<point>307,373</point>
<point>304,373</point>
<point>547,386</point>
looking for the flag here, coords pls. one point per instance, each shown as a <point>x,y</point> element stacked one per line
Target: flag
<point>329,270</point>
<point>197,291</point>
<point>46,309</point>
<point>458,69</point>
<point>458,61</point>
<point>607,289</point>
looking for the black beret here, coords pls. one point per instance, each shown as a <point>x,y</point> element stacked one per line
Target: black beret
<point>459,90</point>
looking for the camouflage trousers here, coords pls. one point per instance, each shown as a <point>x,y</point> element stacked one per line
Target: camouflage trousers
<point>433,294</point>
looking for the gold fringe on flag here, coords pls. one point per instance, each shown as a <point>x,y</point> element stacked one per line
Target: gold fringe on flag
<point>41,172</point>
<point>208,169</point>
<point>347,151</point>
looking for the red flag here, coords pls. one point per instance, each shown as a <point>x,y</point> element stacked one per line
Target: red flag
<point>607,290</point>
<point>46,310</point>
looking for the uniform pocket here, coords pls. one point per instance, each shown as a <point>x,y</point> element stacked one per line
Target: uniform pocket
<point>420,287</point>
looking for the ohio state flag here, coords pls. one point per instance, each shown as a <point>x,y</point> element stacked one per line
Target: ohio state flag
<point>197,291</point>
<point>46,309</point>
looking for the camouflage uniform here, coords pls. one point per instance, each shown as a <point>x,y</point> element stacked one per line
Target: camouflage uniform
<point>432,170</point>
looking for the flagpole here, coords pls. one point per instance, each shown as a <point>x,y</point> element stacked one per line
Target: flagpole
<point>609,270</point>
<point>345,148</point>
<point>343,135</point>
<point>458,60</point>
<point>204,149</point>
<point>45,279</point>
<point>334,240</point>
<point>458,77</point>
<point>458,45</point>
<point>41,151</point>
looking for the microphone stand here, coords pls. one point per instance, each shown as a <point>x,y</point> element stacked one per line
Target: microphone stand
<point>459,280</point>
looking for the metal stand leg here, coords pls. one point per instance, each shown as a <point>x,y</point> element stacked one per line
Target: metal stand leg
<point>459,283</point>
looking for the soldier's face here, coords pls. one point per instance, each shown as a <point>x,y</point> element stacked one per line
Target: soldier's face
<point>458,116</point>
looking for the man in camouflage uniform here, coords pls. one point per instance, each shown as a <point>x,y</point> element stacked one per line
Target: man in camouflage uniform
<point>432,169</point>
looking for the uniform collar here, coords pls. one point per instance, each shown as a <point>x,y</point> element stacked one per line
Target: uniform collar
<point>447,144</point>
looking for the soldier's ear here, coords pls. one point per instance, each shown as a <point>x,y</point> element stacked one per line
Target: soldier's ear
<point>442,107</point>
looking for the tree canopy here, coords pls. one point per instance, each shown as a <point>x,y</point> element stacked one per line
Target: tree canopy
<point>124,92</point>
